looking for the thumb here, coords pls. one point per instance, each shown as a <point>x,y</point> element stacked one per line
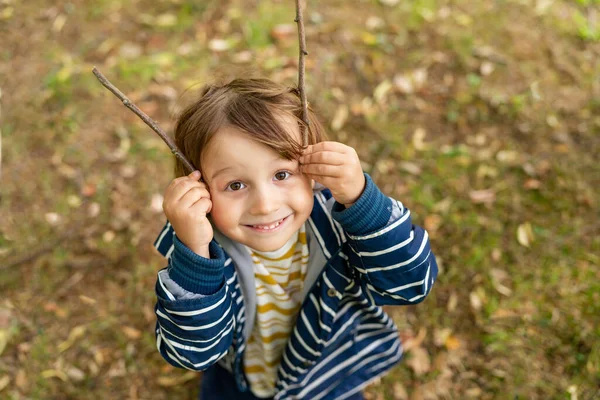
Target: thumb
<point>195,175</point>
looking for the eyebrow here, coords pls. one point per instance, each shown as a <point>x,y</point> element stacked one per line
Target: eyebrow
<point>219,172</point>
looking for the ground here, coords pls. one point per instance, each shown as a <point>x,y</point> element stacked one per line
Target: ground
<point>483,117</point>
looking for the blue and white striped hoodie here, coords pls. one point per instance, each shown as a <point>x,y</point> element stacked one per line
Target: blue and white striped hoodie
<point>361,258</point>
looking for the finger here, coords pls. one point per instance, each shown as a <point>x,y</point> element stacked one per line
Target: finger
<point>193,195</point>
<point>327,146</point>
<point>203,205</point>
<point>323,157</point>
<point>334,171</point>
<point>326,181</point>
<point>177,192</point>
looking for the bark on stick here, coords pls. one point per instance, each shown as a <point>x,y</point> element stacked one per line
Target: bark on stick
<point>149,121</point>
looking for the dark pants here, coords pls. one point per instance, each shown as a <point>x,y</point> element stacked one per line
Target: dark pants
<point>218,384</point>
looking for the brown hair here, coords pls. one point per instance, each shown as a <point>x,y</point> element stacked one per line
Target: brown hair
<point>251,105</point>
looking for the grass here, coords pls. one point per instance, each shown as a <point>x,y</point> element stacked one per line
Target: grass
<point>509,317</point>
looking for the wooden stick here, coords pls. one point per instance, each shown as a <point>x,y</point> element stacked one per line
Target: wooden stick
<point>301,87</point>
<point>151,123</point>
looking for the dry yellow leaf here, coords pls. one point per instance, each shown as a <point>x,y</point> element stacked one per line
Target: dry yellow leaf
<point>132,333</point>
<point>452,343</point>
<point>87,300</point>
<point>339,119</point>
<point>54,373</point>
<point>525,234</point>
<point>4,381</point>
<point>3,339</point>
<point>169,381</point>
<point>75,334</point>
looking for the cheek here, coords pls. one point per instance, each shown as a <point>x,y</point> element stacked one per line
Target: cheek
<point>303,197</point>
<point>224,213</point>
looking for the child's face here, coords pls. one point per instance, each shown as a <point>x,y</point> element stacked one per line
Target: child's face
<point>258,198</point>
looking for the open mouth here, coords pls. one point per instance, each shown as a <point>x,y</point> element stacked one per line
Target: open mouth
<point>271,227</point>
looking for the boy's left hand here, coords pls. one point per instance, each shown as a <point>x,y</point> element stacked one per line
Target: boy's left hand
<point>337,167</point>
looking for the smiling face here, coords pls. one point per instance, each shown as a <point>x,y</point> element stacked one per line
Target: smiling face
<point>258,198</point>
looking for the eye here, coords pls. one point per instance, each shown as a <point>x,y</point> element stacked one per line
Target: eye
<point>282,175</point>
<point>235,186</point>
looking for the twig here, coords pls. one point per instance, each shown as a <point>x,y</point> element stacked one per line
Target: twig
<point>40,250</point>
<point>151,123</point>
<point>301,87</point>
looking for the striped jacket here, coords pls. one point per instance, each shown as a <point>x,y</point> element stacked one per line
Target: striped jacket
<point>361,258</point>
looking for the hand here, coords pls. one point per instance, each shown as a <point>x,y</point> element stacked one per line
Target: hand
<point>337,167</point>
<point>186,204</point>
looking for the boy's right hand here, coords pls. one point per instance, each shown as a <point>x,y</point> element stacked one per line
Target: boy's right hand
<point>186,204</point>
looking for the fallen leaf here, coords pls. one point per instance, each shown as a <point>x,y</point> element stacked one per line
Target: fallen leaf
<point>487,196</point>
<point>532,184</point>
<point>419,361</point>
<point>415,341</point>
<point>381,91</point>
<point>3,339</point>
<point>410,167</point>
<point>93,210</point>
<point>502,313</point>
<point>59,23</point>
<point>474,392</point>
<point>88,190</point>
<point>4,381</point>
<point>75,334</point>
<point>475,300</point>
<point>441,335</point>
<point>498,276</point>
<point>108,236</point>
<point>219,45</point>
<point>87,300</point>
<point>452,343</point>
<point>131,333</point>
<point>73,200</point>
<point>507,156</point>
<point>340,117</point>
<point>432,223</point>
<point>118,369</point>
<point>525,234</point>
<point>242,57</point>
<point>452,302</point>
<point>7,13</point>
<point>75,374</point>
<point>400,392</point>
<point>21,380</point>
<point>443,206</point>
<point>169,381</point>
<point>403,84</point>
<point>496,255</point>
<point>486,68</point>
<point>130,51</point>
<point>374,23</point>
<point>54,373</point>
<point>368,38</point>
<point>417,139</point>
<point>166,20</point>
<point>283,31</point>
<point>52,218</point>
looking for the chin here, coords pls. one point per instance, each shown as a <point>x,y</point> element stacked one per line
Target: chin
<point>268,245</point>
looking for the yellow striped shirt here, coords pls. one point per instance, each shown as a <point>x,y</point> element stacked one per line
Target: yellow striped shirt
<point>279,277</point>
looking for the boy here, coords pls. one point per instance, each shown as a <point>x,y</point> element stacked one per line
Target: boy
<point>281,257</point>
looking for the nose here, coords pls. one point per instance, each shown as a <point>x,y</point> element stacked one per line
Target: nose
<point>265,201</point>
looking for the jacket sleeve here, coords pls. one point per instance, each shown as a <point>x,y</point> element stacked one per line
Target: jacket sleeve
<point>194,308</point>
<point>392,256</point>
